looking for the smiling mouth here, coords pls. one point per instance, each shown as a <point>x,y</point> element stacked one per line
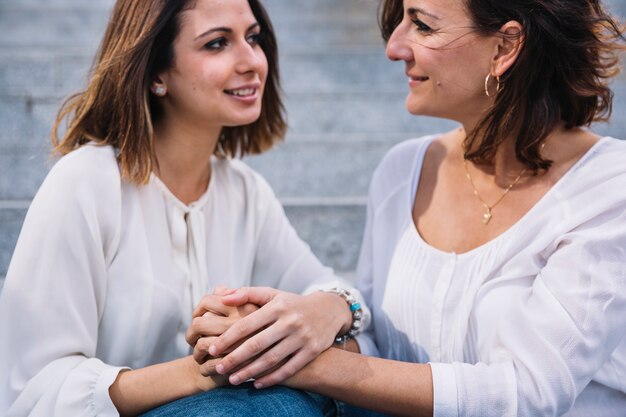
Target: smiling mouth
<point>243,92</point>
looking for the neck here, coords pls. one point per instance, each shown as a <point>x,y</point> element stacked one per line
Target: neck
<point>183,156</point>
<point>505,166</point>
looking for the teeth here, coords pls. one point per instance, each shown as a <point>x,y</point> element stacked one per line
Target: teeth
<point>241,93</point>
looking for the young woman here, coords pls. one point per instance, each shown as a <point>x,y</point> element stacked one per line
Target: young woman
<point>494,256</point>
<point>147,212</point>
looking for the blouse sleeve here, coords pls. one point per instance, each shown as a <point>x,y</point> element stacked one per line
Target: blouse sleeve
<point>365,281</point>
<point>556,337</point>
<point>54,293</point>
<point>285,261</point>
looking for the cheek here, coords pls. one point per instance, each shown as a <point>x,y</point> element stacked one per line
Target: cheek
<point>263,65</point>
<point>211,77</point>
<point>430,61</point>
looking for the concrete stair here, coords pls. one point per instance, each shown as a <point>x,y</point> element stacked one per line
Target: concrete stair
<point>345,104</point>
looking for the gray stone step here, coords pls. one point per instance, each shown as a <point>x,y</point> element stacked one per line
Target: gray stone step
<point>11,218</point>
<point>52,28</point>
<point>43,74</point>
<point>100,5</point>
<point>333,231</point>
<point>21,173</point>
<point>64,24</point>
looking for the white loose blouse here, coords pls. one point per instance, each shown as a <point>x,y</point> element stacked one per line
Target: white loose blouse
<point>531,323</point>
<point>106,274</point>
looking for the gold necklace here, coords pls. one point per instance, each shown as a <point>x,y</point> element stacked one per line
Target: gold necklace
<point>487,208</point>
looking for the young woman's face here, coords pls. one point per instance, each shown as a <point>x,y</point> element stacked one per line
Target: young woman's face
<point>219,68</point>
<point>446,59</point>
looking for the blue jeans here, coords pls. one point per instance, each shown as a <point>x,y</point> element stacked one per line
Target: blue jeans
<point>247,401</point>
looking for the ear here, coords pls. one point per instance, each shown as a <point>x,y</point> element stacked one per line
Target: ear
<point>508,48</point>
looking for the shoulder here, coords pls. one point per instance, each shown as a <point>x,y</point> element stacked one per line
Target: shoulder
<point>594,190</point>
<point>610,148</point>
<point>82,191</point>
<point>605,161</point>
<point>403,155</point>
<point>87,178</point>
<point>89,166</point>
<point>397,168</point>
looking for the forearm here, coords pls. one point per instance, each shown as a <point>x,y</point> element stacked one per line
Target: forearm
<point>383,385</point>
<point>351,346</point>
<point>137,391</point>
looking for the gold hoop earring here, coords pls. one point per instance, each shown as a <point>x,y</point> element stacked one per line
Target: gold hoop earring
<point>487,85</point>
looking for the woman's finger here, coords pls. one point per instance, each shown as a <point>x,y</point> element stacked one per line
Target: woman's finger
<point>211,303</point>
<point>222,290</point>
<point>255,295</point>
<point>242,329</point>
<point>207,368</point>
<point>298,361</point>
<point>266,362</point>
<point>251,348</point>
<point>209,325</point>
<point>200,350</point>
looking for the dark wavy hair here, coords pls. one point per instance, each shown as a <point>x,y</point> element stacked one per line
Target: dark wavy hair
<point>561,75</point>
<point>117,109</point>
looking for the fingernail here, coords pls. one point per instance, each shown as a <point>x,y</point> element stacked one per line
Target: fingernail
<point>219,368</point>
<point>258,385</point>
<point>235,380</point>
<point>212,350</point>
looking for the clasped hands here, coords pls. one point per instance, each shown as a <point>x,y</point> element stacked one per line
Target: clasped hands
<point>263,333</point>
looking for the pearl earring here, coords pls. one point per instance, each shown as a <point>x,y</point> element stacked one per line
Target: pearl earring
<point>159,90</point>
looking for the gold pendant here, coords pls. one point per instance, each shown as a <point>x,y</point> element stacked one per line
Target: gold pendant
<point>486,216</point>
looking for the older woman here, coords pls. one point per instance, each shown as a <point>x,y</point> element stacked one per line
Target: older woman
<point>494,255</point>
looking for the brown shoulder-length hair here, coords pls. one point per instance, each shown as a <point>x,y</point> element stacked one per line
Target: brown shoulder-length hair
<point>561,75</point>
<point>117,109</point>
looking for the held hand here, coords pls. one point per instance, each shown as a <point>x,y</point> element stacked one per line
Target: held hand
<point>212,318</point>
<point>288,327</point>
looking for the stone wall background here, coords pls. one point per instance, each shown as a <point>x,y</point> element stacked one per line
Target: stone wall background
<point>345,103</point>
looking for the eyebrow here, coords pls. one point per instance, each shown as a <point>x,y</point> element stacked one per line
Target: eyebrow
<point>225,29</point>
<point>416,10</point>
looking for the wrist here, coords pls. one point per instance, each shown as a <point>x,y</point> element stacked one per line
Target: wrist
<point>336,309</point>
<point>200,383</point>
<point>355,313</point>
<point>344,314</point>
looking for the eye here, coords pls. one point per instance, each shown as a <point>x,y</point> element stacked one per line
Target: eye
<point>254,38</point>
<point>421,26</point>
<point>216,44</point>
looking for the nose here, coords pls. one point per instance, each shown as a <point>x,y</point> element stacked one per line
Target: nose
<point>397,46</point>
<point>251,58</point>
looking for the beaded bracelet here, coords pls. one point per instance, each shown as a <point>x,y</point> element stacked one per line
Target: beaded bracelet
<point>357,315</point>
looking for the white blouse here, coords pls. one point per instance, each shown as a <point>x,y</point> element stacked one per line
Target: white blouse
<point>106,274</point>
<point>531,323</point>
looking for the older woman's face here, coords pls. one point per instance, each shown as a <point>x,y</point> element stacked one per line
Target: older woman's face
<point>446,59</point>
